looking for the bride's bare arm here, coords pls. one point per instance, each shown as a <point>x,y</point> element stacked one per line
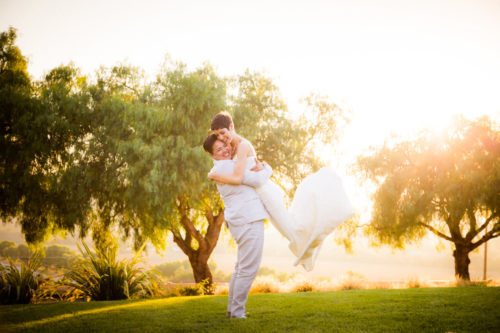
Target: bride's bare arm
<point>236,177</point>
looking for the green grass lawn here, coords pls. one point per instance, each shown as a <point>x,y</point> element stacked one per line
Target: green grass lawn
<point>463,309</point>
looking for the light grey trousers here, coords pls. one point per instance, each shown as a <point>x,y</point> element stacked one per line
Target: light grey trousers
<point>250,240</point>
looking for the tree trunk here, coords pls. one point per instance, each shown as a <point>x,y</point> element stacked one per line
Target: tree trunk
<point>462,261</point>
<point>198,257</point>
<point>202,272</point>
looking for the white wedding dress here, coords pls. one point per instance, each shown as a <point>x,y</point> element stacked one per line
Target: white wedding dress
<point>319,205</point>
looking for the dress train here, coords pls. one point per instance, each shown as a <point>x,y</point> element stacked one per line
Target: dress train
<point>320,204</point>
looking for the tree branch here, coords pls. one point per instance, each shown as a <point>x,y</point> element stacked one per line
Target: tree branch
<point>188,225</point>
<point>181,243</point>
<point>489,235</point>
<point>436,232</point>
<point>488,220</point>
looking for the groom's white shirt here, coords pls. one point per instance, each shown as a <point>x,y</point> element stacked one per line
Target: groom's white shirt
<point>244,214</point>
<point>241,203</point>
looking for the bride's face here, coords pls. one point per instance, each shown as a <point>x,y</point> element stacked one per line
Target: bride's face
<point>224,135</point>
<point>221,151</point>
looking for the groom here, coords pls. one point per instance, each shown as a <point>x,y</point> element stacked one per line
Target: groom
<point>244,214</point>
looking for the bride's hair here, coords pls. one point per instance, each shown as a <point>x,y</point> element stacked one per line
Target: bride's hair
<point>208,144</point>
<point>221,120</point>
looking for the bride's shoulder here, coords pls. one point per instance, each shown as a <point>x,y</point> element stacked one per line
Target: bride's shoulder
<point>247,145</point>
<point>244,143</point>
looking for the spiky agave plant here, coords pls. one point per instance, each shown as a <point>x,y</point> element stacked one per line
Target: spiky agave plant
<point>100,276</point>
<point>18,285</point>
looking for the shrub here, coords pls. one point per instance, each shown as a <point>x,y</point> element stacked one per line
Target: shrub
<point>190,290</point>
<point>99,276</point>
<point>57,289</point>
<point>471,283</point>
<point>381,285</point>
<point>303,287</point>
<point>222,290</point>
<point>201,288</point>
<point>353,280</point>
<point>415,283</point>
<point>18,286</point>
<point>264,286</point>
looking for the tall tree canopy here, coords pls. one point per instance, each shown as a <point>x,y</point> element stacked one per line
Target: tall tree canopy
<point>447,184</point>
<point>43,125</point>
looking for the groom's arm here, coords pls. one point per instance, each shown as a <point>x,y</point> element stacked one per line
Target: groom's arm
<point>250,178</point>
<point>257,178</point>
<point>223,167</point>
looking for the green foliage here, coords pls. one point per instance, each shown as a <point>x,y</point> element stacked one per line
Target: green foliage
<point>100,276</point>
<point>201,288</point>
<point>42,134</point>
<point>190,290</point>
<point>19,284</point>
<point>15,103</point>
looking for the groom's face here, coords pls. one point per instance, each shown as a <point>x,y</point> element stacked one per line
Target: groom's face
<point>222,151</point>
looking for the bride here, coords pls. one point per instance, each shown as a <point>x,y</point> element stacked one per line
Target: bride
<point>319,205</point>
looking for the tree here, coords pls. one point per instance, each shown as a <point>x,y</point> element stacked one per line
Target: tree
<point>5,245</point>
<point>167,190</point>
<point>58,256</point>
<point>15,103</point>
<point>43,130</point>
<point>447,184</point>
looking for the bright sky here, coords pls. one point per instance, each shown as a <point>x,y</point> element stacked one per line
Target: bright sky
<point>398,65</point>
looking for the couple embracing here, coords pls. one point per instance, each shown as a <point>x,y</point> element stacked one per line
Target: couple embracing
<point>319,205</point>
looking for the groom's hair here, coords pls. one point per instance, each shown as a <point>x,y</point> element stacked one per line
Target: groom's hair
<point>221,120</point>
<point>208,144</point>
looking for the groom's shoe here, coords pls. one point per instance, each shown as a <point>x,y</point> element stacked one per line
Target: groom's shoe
<point>242,317</point>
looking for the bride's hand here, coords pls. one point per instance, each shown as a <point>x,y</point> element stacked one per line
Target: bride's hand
<point>258,166</point>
